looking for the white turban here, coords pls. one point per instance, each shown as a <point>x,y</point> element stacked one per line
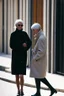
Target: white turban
<point>17,21</point>
<point>36,26</point>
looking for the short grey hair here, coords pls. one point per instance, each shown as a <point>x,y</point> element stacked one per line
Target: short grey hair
<point>36,26</point>
<point>16,22</point>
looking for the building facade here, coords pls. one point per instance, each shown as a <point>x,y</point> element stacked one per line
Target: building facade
<point>49,13</point>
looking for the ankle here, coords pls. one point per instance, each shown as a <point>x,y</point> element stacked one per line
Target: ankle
<point>38,92</point>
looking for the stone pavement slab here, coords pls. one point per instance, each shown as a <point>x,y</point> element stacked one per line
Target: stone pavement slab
<point>57,81</point>
<point>11,90</point>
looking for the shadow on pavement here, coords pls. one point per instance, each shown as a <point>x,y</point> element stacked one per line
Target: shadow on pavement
<point>3,68</point>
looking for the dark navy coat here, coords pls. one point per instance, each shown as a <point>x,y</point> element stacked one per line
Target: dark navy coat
<point>19,53</point>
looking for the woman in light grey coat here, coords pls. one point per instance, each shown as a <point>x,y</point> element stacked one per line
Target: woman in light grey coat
<point>38,65</point>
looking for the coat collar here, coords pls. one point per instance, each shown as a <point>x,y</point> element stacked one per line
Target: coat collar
<point>39,34</point>
<point>18,30</point>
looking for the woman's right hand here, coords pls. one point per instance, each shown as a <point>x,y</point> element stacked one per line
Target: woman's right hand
<point>24,45</point>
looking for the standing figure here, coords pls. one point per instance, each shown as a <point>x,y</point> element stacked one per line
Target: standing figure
<point>19,43</point>
<point>38,64</point>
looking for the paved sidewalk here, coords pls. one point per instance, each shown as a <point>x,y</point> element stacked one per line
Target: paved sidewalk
<point>57,81</point>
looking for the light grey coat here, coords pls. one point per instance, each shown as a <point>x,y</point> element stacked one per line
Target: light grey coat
<point>38,64</point>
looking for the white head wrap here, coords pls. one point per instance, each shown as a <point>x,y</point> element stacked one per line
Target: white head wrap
<point>36,26</point>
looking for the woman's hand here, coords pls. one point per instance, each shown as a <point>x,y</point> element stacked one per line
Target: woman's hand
<point>24,45</point>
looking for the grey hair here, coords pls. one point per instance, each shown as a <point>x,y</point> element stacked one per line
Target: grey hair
<point>17,21</point>
<point>36,26</point>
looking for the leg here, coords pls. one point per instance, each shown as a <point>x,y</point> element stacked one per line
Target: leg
<point>22,83</point>
<point>45,81</point>
<point>37,85</point>
<point>37,81</point>
<point>17,82</point>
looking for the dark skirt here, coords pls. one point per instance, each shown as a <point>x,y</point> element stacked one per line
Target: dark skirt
<point>18,65</point>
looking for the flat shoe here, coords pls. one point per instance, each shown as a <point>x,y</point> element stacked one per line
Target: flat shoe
<point>21,93</point>
<point>18,94</point>
<point>53,91</point>
<point>37,94</point>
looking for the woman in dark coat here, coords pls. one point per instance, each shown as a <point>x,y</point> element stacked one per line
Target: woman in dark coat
<point>19,43</point>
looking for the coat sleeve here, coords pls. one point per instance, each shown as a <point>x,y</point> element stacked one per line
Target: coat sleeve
<point>41,48</point>
<point>13,44</point>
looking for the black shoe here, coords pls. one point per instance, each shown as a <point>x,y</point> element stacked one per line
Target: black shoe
<point>37,94</point>
<point>18,94</point>
<point>21,93</point>
<point>53,91</point>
